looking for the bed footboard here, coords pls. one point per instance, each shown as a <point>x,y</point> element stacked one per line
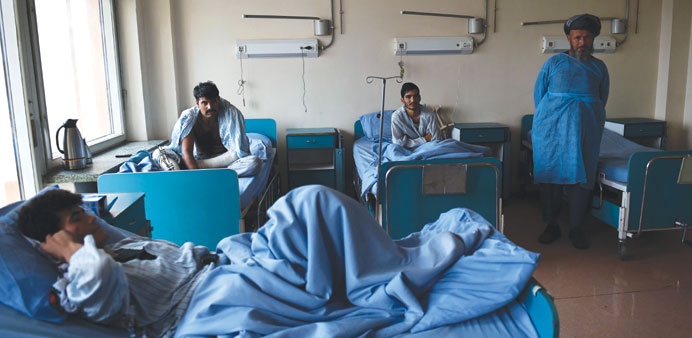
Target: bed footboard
<point>199,206</point>
<point>410,200</point>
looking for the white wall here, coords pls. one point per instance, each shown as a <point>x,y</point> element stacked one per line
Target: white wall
<point>191,41</point>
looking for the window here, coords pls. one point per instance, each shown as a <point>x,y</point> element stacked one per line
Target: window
<point>60,61</point>
<point>78,67</point>
<point>9,180</point>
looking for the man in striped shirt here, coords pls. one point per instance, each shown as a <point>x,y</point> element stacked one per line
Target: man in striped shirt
<point>137,283</point>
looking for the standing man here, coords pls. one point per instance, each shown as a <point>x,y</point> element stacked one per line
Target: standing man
<point>570,97</point>
<point>209,135</point>
<point>413,125</point>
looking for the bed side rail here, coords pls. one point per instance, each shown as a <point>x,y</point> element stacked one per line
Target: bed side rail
<point>657,200</point>
<point>406,203</point>
<point>202,206</point>
<point>541,308</point>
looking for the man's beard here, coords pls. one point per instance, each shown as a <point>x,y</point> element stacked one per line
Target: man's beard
<point>581,55</point>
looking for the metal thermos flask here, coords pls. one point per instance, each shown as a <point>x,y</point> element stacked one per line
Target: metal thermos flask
<point>74,149</point>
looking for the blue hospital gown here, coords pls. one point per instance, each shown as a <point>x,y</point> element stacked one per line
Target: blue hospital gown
<point>570,98</point>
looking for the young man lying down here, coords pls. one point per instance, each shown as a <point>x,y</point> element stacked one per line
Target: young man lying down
<point>321,266</point>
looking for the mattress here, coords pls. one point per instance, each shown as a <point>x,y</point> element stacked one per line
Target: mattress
<point>253,186</point>
<point>615,154</point>
<point>16,324</point>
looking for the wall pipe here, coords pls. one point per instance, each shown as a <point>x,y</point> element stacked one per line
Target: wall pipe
<point>460,16</point>
<point>331,23</point>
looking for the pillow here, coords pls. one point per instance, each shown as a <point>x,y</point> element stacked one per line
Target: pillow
<point>371,126</point>
<point>26,274</point>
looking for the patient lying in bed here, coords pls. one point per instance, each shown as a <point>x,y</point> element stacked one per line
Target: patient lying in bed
<point>321,266</point>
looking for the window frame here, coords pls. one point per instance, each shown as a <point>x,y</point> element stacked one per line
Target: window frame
<point>113,85</point>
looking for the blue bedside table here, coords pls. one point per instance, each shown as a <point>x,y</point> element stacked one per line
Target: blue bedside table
<point>493,135</point>
<point>127,212</point>
<point>315,156</point>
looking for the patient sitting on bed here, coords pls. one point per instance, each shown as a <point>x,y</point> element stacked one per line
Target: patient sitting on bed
<point>413,125</point>
<point>209,135</point>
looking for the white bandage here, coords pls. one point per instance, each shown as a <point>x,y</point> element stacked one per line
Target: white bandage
<point>221,161</point>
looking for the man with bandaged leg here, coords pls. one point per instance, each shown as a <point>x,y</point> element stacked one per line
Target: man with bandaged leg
<point>209,135</point>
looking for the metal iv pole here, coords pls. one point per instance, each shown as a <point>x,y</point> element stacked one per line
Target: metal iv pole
<point>370,79</point>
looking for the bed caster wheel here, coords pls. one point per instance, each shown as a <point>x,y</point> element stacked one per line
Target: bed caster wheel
<point>622,250</point>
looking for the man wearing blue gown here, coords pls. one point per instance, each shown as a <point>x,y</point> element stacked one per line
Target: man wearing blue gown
<point>570,97</point>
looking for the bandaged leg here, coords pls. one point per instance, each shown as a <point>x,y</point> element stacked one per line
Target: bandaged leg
<point>221,161</point>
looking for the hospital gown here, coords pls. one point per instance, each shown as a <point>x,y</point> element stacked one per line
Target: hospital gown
<point>406,134</point>
<point>143,295</point>
<point>570,98</point>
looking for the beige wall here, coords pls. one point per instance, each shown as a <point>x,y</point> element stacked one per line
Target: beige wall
<point>186,42</point>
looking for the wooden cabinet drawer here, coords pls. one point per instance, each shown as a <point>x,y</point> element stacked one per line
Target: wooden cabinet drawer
<point>644,129</point>
<point>483,135</point>
<point>310,141</point>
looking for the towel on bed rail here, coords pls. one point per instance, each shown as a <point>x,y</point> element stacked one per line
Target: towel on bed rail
<point>322,267</point>
<point>365,156</point>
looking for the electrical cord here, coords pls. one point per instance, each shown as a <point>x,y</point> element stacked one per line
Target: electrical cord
<point>302,58</point>
<point>241,83</point>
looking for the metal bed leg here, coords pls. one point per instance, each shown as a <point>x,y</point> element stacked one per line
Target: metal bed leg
<point>683,224</point>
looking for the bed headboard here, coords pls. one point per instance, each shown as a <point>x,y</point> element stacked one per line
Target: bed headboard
<point>358,130</point>
<point>199,206</point>
<point>266,127</point>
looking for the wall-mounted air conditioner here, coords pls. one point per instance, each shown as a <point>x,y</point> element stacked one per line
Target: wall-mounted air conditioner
<point>559,44</point>
<point>438,45</point>
<point>246,49</point>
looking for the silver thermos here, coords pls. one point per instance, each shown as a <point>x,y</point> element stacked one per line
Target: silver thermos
<point>75,152</point>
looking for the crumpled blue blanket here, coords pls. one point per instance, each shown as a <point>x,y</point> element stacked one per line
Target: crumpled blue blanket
<point>365,156</point>
<point>322,267</point>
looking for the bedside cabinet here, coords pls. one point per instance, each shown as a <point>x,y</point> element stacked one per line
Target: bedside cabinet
<point>645,131</point>
<point>493,135</point>
<point>315,156</point>
<point>127,212</point>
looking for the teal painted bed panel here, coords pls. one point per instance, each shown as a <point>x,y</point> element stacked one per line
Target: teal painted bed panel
<point>406,191</point>
<point>665,199</point>
<point>266,127</point>
<point>199,206</point>
<point>608,213</point>
<point>541,309</point>
<point>358,130</point>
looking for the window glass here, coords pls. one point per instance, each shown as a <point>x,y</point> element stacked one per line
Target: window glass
<point>9,180</point>
<point>75,69</point>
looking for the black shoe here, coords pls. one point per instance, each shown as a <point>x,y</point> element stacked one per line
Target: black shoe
<point>549,235</point>
<point>578,239</point>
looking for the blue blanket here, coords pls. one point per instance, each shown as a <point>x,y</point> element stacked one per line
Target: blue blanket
<point>615,153</point>
<point>365,156</point>
<point>322,267</point>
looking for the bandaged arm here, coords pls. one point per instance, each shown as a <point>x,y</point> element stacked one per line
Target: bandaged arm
<point>95,285</point>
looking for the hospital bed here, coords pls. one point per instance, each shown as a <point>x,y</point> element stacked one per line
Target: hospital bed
<point>533,298</point>
<point>638,188</point>
<point>418,191</point>
<point>231,204</point>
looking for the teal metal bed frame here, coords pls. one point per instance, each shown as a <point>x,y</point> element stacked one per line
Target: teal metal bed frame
<point>178,203</point>
<point>405,204</point>
<point>652,199</point>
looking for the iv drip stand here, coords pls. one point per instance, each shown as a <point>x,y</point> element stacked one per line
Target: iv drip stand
<point>370,79</point>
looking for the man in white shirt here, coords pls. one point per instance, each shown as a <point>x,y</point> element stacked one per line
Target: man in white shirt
<point>412,124</point>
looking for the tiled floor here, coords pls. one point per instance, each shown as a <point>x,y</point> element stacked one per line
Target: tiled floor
<point>597,294</point>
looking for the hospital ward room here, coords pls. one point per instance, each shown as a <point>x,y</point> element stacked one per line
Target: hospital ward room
<point>346,168</point>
